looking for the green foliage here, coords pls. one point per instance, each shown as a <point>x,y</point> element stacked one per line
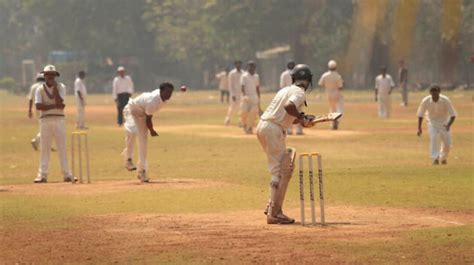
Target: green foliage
<point>10,84</point>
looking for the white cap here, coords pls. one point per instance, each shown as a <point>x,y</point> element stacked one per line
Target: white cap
<point>50,68</point>
<point>332,64</point>
<point>120,68</point>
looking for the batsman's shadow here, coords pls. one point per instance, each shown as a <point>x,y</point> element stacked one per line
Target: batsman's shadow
<point>162,182</point>
<point>331,224</point>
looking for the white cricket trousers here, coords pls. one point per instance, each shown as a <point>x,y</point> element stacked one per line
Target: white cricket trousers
<point>336,103</point>
<point>135,127</point>
<point>130,133</point>
<point>438,133</point>
<point>53,127</point>
<point>249,111</point>
<point>385,105</point>
<point>272,138</point>
<point>80,118</point>
<point>234,107</point>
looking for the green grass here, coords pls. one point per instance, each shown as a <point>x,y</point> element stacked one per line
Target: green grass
<point>377,163</point>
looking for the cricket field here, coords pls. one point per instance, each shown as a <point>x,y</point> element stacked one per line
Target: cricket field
<point>385,202</point>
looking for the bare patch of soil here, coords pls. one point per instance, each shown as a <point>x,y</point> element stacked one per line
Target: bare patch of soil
<point>242,237</point>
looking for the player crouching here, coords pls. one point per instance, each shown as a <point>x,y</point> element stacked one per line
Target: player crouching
<point>283,111</point>
<point>138,121</point>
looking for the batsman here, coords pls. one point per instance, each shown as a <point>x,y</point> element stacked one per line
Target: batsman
<point>283,111</point>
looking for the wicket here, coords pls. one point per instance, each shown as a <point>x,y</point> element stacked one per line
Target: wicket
<point>311,186</point>
<point>77,135</point>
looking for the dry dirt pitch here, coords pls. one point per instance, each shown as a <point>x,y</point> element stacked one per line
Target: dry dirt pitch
<point>385,203</point>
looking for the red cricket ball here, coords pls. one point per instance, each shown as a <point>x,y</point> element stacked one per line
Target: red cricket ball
<point>183,88</point>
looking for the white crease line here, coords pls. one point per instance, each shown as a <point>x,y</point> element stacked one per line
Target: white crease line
<point>445,221</point>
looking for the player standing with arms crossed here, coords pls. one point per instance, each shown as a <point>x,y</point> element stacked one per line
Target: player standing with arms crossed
<point>234,90</point>
<point>80,91</point>
<point>31,99</point>
<point>383,90</point>
<point>285,80</point>
<point>332,82</point>
<point>283,111</point>
<point>250,102</point>
<point>441,115</point>
<point>122,90</point>
<point>138,122</point>
<point>49,100</point>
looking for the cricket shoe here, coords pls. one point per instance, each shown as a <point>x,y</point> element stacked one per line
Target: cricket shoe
<point>143,177</point>
<point>69,178</point>
<point>436,162</point>
<point>40,179</point>
<point>444,162</point>
<point>129,165</point>
<point>279,219</point>
<point>34,144</point>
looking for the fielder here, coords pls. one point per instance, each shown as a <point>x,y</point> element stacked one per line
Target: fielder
<point>441,115</point>
<point>31,97</point>
<point>283,111</point>
<point>223,87</point>
<point>49,100</point>
<point>138,121</point>
<point>285,80</point>
<point>233,83</point>
<point>80,92</point>
<point>383,89</point>
<point>403,82</point>
<point>250,102</point>
<point>332,82</point>
<point>122,90</point>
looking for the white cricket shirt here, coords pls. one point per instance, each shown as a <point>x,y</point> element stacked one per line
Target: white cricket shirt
<point>122,85</point>
<point>437,112</point>
<point>250,83</point>
<point>146,103</point>
<point>285,78</point>
<point>234,83</point>
<point>276,112</point>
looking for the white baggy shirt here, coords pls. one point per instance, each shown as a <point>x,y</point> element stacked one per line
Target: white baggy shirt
<point>332,82</point>
<point>384,84</point>
<point>250,83</point>
<point>122,85</point>
<point>276,112</point>
<point>285,78</point>
<point>222,78</point>
<point>39,97</point>
<point>80,86</point>
<point>234,83</point>
<point>439,112</point>
<point>146,104</point>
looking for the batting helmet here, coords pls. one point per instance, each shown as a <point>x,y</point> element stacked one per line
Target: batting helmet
<point>301,72</point>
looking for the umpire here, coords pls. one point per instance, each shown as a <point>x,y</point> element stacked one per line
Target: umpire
<point>122,90</point>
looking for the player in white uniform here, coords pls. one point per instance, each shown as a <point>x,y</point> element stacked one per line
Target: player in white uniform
<point>383,90</point>
<point>138,121</point>
<point>122,90</point>
<point>222,79</point>
<point>80,91</point>
<point>285,80</point>
<point>234,90</point>
<point>49,100</point>
<point>332,82</point>
<point>283,111</point>
<point>31,97</point>
<point>250,102</point>
<point>441,115</point>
